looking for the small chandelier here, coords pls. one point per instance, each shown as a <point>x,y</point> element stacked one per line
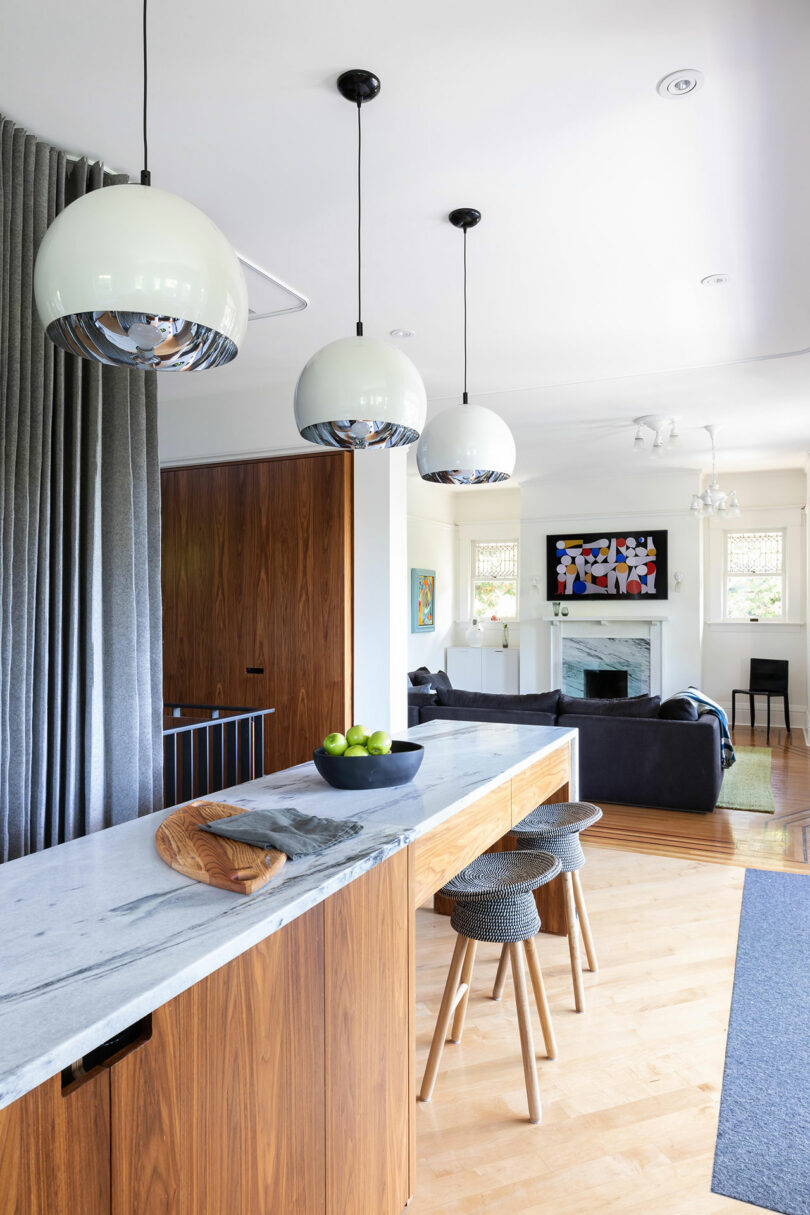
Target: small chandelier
<point>663,429</point>
<point>714,500</point>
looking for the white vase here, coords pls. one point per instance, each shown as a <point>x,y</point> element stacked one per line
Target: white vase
<point>474,635</point>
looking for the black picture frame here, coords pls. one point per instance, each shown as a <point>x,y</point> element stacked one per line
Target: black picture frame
<point>587,560</point>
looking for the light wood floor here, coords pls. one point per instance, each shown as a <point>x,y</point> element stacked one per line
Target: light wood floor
<point>630,1106</point>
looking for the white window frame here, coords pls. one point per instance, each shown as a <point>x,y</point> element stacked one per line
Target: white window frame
<point>472,579</point>
<point>754,531</point>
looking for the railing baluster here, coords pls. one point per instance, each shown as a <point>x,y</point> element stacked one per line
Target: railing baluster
<point>230,753</point>
<point>244,750</point>
<point>169,779</point>
<point>185,752</point>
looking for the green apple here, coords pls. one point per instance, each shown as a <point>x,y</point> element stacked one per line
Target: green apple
<point>352,751</point>
<point>357,736</point>
<point>379,743</point>
<point>335,744</point>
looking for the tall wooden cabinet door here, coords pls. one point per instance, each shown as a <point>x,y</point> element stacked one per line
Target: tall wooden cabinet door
<point>223,1110</point>
<point>367,944</point>
<point>55,1150</point>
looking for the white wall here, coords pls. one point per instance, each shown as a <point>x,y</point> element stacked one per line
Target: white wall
<point>442,522</point>
<point>432,544</point>
<point>770,500</point>
<point>380,577</point>
<point>647,500</point>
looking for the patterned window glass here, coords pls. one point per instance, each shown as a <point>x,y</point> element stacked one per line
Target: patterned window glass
<point>755,576</point>
<point>495,579</point>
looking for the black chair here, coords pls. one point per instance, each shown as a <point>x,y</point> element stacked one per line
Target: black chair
<point>766,677</point>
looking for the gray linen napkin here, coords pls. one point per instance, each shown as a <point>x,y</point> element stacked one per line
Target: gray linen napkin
<point>287,830</point>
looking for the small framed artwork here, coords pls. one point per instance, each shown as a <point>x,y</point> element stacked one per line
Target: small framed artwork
<point>423,601</point>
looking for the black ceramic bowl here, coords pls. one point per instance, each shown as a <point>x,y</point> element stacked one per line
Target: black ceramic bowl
<point>398,767</point>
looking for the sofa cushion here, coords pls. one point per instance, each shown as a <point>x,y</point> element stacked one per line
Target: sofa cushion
<point>678,708</point>
<point>532,702</point>
<point>624,706</point>
<point>420,698</point>
<point>435,679</point>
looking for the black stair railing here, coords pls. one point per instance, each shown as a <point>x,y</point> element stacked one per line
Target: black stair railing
<point>226,748</point>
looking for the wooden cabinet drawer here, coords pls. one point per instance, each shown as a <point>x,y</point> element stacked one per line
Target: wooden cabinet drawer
<point>537,784</point>
<point>441,853</point>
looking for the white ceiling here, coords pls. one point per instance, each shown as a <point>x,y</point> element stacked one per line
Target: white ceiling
<point>604,204</point>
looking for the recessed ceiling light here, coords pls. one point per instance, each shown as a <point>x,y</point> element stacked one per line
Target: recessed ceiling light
<point>714,280</point>
<point>402,333</point>
<point>678,84</point>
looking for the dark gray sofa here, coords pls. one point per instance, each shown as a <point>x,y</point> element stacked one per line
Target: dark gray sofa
<point>633,760</point>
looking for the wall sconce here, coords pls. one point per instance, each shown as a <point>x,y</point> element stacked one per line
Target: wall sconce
<point>678,578</point>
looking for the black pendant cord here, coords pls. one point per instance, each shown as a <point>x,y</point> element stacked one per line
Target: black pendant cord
<point>359,224</point>
<point>465,398</point>
<point>146,177</point>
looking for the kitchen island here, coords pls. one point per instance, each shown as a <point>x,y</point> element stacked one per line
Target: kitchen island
<point>241,1053</point>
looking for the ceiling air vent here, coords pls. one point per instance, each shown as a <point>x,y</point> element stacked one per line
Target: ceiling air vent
<point>269,296</point>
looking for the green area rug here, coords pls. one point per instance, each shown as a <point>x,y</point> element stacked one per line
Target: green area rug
<point>747,786</point>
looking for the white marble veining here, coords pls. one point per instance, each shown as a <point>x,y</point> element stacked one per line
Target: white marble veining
<point>98,932</point>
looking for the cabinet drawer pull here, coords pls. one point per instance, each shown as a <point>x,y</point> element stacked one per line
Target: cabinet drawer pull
<point>105,1055</point>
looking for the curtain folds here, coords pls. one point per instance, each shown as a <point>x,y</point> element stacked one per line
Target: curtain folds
<point>80,609</point>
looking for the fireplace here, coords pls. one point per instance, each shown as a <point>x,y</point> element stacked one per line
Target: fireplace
<point>605,685</point>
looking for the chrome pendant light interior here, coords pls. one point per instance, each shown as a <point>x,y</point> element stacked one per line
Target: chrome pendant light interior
<point>466,444</point>
<point>359,392</point>
<point>133,276</point>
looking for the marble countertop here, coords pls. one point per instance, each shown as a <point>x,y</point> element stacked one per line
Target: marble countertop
<point>98,932</point>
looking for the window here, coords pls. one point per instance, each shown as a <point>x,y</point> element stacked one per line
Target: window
<point>495,579</point>
<point>755,575</point>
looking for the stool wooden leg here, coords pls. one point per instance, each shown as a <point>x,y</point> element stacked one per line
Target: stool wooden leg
<point>443,1022</point>
<point>525,1027</point>
<point>500,978</point>
<point>466,980</point>
<point>540,998</point>
<point>584,922</point>
<point>573,942</point>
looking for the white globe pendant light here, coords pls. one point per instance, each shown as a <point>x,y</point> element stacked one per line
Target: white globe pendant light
<point>359,392</point>
<point>133,276</point>
<point>466,444</point>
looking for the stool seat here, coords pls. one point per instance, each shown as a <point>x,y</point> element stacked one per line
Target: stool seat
<point>557,819</point>
<point>497,875</point>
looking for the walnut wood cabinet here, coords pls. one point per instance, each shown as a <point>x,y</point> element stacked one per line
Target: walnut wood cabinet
<point>280,1084</point>
<point>257,593</point>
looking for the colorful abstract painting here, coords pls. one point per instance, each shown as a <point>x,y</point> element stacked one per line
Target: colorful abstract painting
<point>627,565</point>
<point>423,601</point>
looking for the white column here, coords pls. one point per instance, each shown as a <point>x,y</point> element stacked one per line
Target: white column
<point>381,590</point>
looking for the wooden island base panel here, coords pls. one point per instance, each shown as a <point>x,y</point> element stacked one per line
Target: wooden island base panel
<point>282,1083</point>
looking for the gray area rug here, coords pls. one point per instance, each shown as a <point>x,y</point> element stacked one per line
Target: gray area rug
<point>762,1155</point>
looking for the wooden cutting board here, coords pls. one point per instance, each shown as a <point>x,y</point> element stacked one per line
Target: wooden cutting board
<point>212,859</point>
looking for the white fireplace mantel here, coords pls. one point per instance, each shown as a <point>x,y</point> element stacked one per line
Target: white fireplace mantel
<point>647,627</point>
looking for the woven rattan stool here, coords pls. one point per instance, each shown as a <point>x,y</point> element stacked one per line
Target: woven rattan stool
<point>494,902</point>
<point>555,828</point>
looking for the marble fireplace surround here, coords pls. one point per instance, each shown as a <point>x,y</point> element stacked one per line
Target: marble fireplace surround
<point>631,643</point>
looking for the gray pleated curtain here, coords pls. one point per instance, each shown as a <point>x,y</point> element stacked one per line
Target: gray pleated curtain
<point>80,609</point>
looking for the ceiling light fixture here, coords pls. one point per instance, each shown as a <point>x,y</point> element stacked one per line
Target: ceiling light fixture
<point>681,83</point>
<point>132,276</point>
<point>714,280</point>
<point>466,444</point>
<point>402,333</point>
<point>359,392</point>
<point>714,500</point>
<point>664,431</point>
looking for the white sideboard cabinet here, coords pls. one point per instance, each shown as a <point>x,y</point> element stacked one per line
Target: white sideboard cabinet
<point>484,668</point>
